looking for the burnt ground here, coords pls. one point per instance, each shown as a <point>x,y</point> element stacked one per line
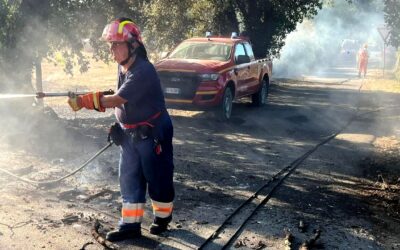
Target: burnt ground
<point>348,189</point>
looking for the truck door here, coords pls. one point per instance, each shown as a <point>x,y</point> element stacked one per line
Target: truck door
<point>254,81</point>
<point>241,70</point>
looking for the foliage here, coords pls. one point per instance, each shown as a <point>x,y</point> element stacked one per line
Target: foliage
<point>266,22</point>
<point>36,29</point>
<point>392,18</point>
<point>164,28</point>
<point>184,19</point>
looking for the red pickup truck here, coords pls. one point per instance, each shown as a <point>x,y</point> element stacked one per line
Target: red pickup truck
<point>212,72</point>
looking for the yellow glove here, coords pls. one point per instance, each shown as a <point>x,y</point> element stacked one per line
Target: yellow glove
<point>73,101</point>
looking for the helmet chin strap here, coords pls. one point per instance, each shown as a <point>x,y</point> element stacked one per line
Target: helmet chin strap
<point>132,51</point>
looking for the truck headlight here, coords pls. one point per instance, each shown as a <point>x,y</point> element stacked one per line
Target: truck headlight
<point>209,77</point>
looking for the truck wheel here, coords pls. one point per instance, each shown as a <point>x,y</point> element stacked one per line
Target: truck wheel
<point>224,111</point>
<point>260,98</point>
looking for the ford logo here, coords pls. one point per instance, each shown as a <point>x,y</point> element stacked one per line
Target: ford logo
<point>175,79</point>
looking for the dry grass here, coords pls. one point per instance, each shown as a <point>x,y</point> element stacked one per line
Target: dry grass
<point>376,82</point>
<point>100,76</point>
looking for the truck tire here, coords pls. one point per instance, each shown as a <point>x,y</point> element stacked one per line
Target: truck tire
<point>260,98</point>
<point>224,111</point>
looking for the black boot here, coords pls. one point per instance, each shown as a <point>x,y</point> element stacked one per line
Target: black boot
<point>160,225</point>
<point>118,235</point>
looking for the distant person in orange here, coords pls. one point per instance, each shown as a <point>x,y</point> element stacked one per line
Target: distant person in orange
<point>362,59</point>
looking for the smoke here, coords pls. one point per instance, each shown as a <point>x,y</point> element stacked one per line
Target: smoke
<point>326,46</point>
<point>25,127</point>
<point>317,44</point>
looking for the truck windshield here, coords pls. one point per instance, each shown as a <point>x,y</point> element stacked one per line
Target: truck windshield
<point>202,50</point>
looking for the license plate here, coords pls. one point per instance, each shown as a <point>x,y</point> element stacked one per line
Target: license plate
<point>172,90</point>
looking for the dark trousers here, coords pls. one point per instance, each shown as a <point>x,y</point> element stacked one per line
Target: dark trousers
<point>141,168</point>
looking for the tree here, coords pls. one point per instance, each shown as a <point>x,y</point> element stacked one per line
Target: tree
<point>21,29</point>
<point>224,18</point>
<point>266,22</point>
<point>184,19</point>
<point>392,19</point>
<point>35,29</point>
<point>164,29</point>
<point>269,22</point>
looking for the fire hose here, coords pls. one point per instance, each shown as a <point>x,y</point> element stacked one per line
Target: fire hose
<point>41,95</point>
<point>63,177</point>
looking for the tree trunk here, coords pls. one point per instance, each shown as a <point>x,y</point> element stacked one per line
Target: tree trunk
<point>258,24</point>
<point>397,66</point>
<point>225,18</point>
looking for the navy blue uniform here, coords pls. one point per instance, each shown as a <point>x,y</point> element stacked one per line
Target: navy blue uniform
<point>144,162</point>
<point>141,87</point>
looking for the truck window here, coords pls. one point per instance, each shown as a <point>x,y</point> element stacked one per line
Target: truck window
<point>239,51</point>
<point>184,50</point>
<point>249,51</point>
<point>202,51</point>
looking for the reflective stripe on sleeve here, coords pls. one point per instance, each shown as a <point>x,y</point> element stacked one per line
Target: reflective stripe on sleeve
<point>162,209</point>
<point>96,100</point>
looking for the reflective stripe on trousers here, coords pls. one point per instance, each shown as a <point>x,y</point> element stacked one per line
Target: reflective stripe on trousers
<point>132,212</point>
<point>162,209</point>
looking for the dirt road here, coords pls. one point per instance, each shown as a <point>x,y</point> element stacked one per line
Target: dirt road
<point>218,166</point>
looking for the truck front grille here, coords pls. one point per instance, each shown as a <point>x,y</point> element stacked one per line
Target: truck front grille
<point>186,83</point>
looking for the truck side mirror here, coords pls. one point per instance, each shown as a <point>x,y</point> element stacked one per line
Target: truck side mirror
<point>242,59</point>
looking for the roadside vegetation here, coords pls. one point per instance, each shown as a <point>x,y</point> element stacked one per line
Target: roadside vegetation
<point>375,82</point>
<point>41,35</point>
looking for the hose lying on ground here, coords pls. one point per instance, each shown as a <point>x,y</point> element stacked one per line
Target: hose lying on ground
<point>63,177</point>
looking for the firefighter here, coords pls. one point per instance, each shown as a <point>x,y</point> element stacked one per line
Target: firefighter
<point>362,59</point>
<point>144,132</point>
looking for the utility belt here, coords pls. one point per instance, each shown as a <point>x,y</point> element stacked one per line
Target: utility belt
<point>141,130</point>
<point>140,133</point>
